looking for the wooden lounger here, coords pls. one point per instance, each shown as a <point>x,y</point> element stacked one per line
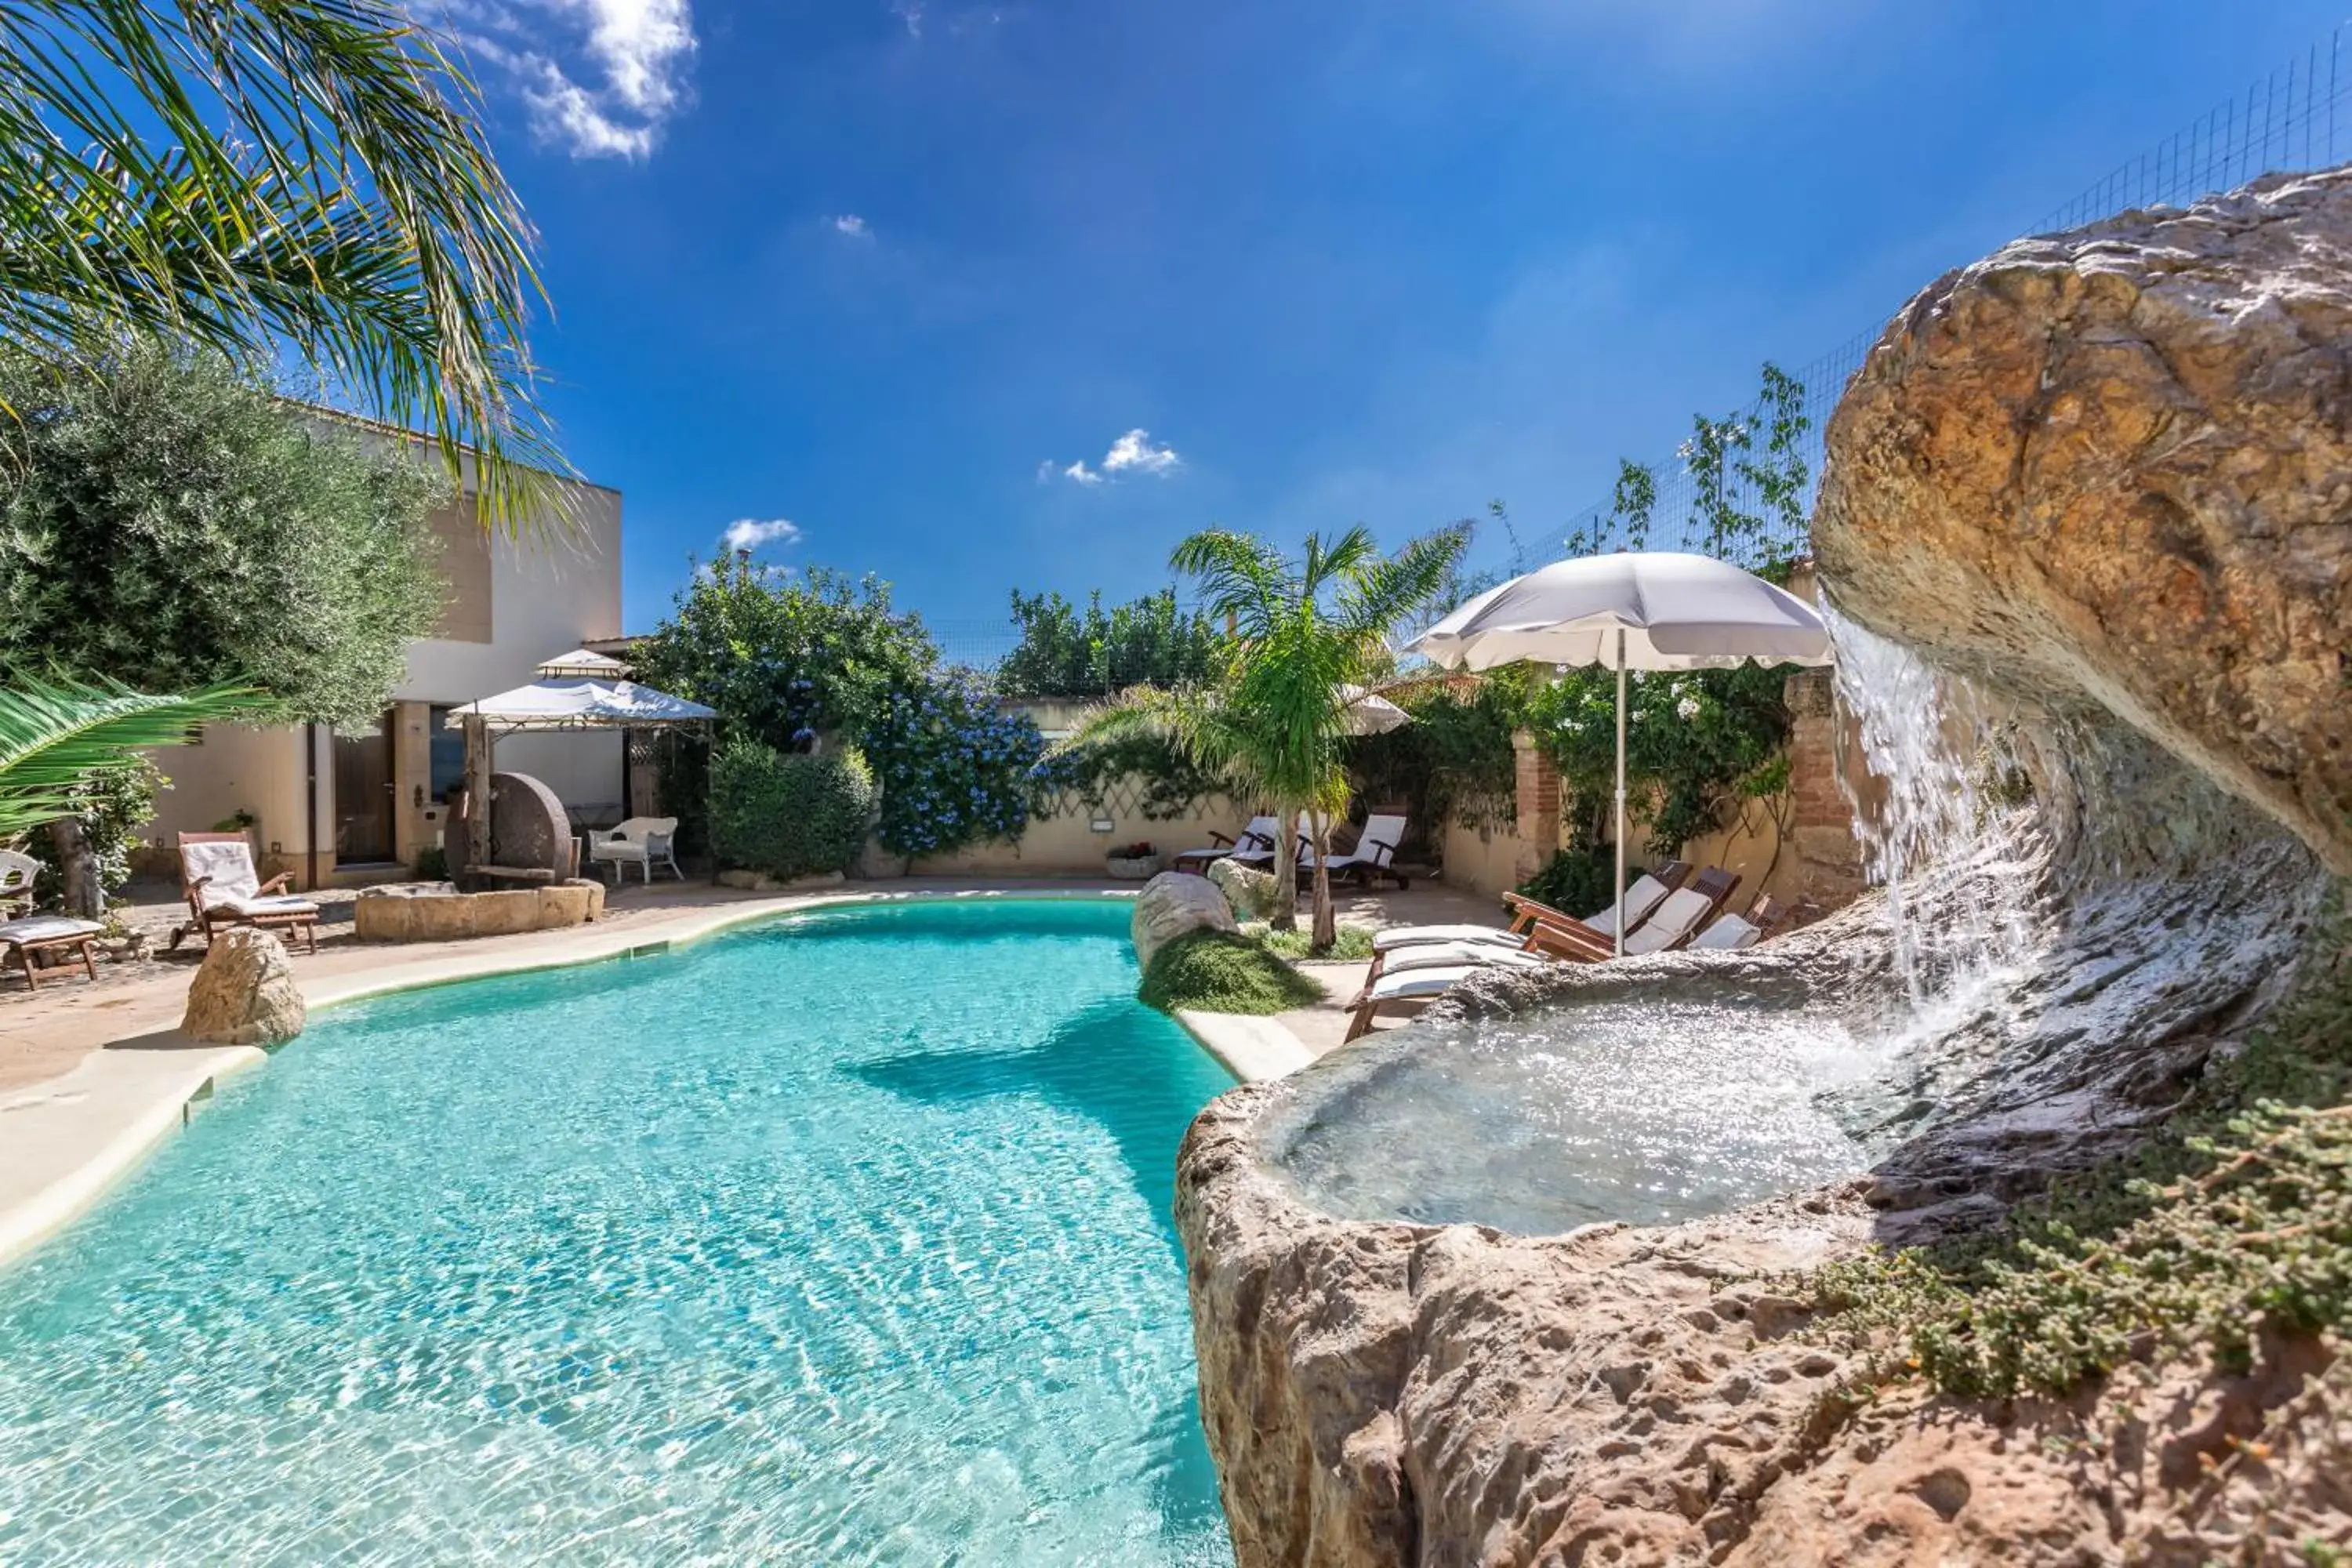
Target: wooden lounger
<point>49,933</point>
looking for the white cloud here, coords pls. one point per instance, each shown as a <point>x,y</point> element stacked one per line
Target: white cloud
<point>910,12</point>
<point>1134,450</point>
<point>752,533</point>
<point>1132,453</point>
<point>853,225</point>
<point>601,76</point>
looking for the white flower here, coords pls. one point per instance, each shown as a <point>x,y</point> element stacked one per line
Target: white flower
<point>1687,708</point>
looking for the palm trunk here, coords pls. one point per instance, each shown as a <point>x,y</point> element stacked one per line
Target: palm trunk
<point>81,896</point>
<point>1285,874</point>
<point>1326,918</point>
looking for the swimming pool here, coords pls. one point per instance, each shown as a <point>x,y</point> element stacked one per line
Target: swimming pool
<point>843,1240</point>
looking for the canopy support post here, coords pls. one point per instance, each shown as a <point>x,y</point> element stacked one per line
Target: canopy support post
<point>477,791</point>
<point>1619,888</point>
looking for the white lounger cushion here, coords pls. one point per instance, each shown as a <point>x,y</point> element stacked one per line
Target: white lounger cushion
<point>1647,893</point>
<point>1408,936</point>
<point>46,928</point>
<point>274,906</point>
<point>1375,846</point>
<point>228,868</point>
<point>1682,908</point>
<point>1729,934</point>
<point>1250,841</point>
<point>1454,954</point>
<point>1406,984</point>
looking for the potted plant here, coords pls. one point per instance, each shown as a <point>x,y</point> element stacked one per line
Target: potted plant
<point>1135,862</point>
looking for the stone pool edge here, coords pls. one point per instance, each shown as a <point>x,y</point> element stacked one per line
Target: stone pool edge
<point>82,1133</point>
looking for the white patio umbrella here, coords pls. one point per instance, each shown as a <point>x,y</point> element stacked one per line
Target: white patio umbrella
<point>1630,611</point>
<point>1370,713</point>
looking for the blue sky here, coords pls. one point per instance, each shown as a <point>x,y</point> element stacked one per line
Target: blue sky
<point>904,275</point>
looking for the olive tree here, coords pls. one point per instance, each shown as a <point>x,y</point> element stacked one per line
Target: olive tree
<point>167,524</point>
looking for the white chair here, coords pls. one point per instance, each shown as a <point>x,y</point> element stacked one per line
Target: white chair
<point>642,841</point>
<point>1252,845</point>
<point>1371,859</point>
<point>17,874</point>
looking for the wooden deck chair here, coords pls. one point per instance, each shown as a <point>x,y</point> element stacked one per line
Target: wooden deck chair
<point>1252,844</point>
<point>42,934</point>
<point>217,878</point>
<point>1371,859</point>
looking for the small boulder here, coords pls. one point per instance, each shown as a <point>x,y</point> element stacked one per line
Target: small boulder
<point>1249,890</point>
<point>243,993</point>
<point>1171,904</point>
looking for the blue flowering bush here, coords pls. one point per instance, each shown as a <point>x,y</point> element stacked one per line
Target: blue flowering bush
<point>955,768</point>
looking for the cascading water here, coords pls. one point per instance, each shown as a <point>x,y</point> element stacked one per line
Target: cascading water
<point>2064,923</point>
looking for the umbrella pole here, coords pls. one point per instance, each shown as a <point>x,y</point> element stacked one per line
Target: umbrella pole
<point>1619,886</point>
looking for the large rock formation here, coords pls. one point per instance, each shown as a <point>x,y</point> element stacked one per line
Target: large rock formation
<point>2112,470</point>
<point>1171,904</point>
<point>243,993</point>
<point>2108,476</point>
<point>1383,1394</point>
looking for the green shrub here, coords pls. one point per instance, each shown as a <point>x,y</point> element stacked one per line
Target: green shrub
<point>1219,972</point>
<point>1355,945</point>
<point>789,816</point>
<point>115,803</point>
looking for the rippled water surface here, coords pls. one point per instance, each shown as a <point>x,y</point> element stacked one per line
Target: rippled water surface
<point>1648,1112</point>
<point>843,1242</point>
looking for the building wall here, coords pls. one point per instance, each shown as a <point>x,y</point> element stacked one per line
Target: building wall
<point>545,594</point>
<point>1066,843</point>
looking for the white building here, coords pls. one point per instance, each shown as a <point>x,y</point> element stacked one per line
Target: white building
<point>361,805</point>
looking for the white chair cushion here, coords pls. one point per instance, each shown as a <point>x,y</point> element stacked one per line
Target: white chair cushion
<point>1682,910</point>
<point>1729,934</point>
<point>271,906</point>
<point>1408,984</point>
<point>1444,954</point>
<point>229,868</point>
<point>44,928</point>
<point>1407,936</point>
<point>1644,896</point>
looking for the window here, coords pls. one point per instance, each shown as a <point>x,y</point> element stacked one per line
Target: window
<point>447,773</point>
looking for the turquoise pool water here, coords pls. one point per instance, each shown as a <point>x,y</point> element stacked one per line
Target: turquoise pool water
<point>845,1241</point>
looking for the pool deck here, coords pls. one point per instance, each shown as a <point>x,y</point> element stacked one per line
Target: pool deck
<point>92,1077</point>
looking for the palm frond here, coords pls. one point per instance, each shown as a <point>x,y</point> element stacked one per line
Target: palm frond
<point>54,733</point>
<point>260,173</point>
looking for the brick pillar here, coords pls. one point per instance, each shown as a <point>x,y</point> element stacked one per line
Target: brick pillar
<point>1822,820</point>
<point>1538,804</point>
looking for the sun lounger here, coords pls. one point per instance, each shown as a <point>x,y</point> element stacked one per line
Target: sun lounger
<point>1419,972</point>
<point>48,933</point>
<point>217,878</point>
<point>1645,895</point>
<point>1373,856</point>
<point>1252,844</point>
<point>1731,933</point>
<point>1403,974</point>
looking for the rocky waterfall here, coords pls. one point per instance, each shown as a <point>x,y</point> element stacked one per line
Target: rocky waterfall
<point>2086,526</point>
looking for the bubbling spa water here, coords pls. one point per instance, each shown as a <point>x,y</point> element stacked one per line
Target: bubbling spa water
<point>2060,921</point>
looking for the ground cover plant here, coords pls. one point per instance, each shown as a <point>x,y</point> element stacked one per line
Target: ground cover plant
<point>2235,1221</point>
<point>1224,972</point>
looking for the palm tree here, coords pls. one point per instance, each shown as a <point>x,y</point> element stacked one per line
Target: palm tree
<point>54,733</point>
<point>1273,719</point>
<point>261,175</point>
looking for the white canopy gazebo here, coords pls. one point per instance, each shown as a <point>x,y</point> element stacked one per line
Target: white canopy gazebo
<point>578,691</point>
